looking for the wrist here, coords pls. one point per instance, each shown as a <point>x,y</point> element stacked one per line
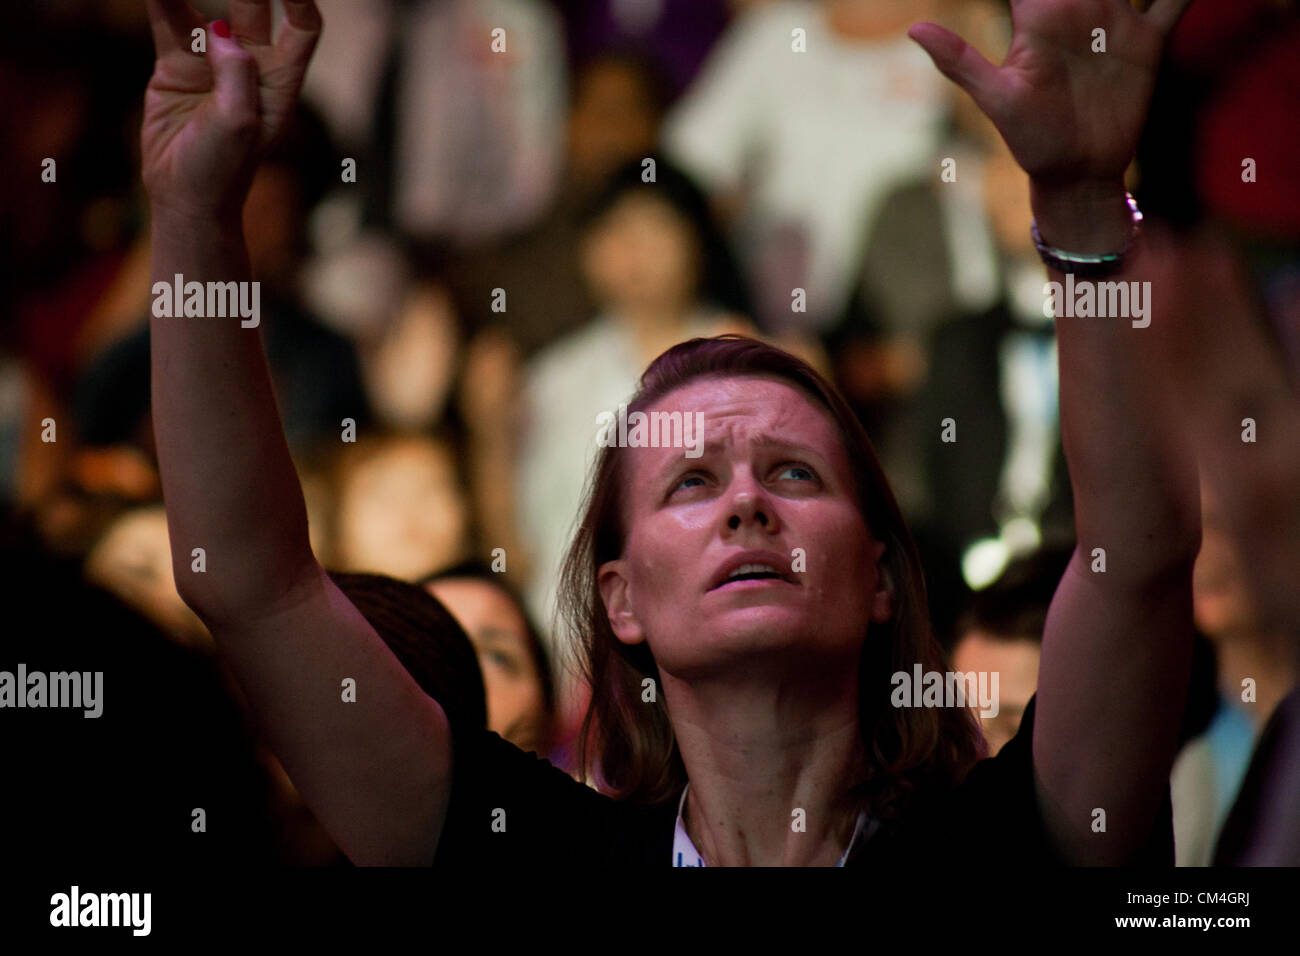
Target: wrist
<point>172,222</point>
<point>1089,217</point>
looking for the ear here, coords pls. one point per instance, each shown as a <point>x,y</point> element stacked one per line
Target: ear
<point>611,578</point>
<point>882,602</point>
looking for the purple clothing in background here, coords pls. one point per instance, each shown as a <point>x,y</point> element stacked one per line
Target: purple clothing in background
<point>677,34</point>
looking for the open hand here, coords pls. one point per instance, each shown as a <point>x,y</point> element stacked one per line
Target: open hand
<point>1067,114</point>
<point>208,116</point>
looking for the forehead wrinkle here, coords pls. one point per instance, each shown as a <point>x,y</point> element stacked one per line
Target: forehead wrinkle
<point>765,440</point>
<point>752,416</point>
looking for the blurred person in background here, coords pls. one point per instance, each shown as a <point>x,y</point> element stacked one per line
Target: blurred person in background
<point>676,34</point>
<point>929,252</point>
<point>132,559</point>
<point>1001,631</point>
<point>517,674</point>
<point>425,372</point>
<point>1252,649</point>
<point>1209,772</point>
<point>69,212</point>
<point>410,364</point>
<point>802,118</point>
<point>399,506</point>
<point>316,370</point>
<point>67,222</point>
<point>30,469</point>
<point>616,102</point>
<point>1246,572</point>
<point>1245,575</point>
<point>1224,136</point>
<point>914,350</point>
<point>457,130</point>
<point>1002,486</point>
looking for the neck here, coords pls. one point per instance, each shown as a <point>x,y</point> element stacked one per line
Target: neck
<point>756,751</point>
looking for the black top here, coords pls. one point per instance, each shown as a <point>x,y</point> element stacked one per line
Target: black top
<point>551,819</point>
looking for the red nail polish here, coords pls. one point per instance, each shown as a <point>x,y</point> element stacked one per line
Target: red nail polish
<point>221,29</point>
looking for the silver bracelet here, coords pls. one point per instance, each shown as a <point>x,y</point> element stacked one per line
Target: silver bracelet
<point>1088,265</point>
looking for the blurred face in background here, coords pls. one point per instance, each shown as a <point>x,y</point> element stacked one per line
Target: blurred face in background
<point>401,511</point>
<point>1221,599</point>
<point>133,560</point>
<point>515,700</point>
<point>640,256</point>
<point>1015,661</point>
<point>409,370</point>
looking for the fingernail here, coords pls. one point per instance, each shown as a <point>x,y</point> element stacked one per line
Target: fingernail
<point>221,29</point>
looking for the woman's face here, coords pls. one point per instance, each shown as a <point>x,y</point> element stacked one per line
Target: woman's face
<point>515,701</point>
<point>773,487</point>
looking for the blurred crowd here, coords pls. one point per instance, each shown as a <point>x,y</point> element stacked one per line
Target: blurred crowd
<point>490,215</point>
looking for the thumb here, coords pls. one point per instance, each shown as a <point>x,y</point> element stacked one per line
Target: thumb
<point>235,79</point>
<point>959,61</point>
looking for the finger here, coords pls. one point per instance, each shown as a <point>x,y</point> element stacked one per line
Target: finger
<point>1166,13</point>
<point>297,39</point>
<point>172,23</point>
<point>959,61</point>
<point>234,81</point>
<point>251,20</point>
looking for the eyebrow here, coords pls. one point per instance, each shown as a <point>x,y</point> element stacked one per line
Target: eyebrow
<point>765,440</point>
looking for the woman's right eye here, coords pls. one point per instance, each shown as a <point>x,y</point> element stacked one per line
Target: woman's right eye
<point>686,481</point>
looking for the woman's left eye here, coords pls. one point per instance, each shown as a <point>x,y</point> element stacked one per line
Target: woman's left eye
<point>799,472</point>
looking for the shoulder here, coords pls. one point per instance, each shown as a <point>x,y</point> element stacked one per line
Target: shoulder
<point>508,807</point>
<point>993,814</point>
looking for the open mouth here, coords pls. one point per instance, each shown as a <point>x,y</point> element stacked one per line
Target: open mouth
<point>752,572</point>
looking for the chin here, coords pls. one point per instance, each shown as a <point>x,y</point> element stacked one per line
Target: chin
<point>761,627</point>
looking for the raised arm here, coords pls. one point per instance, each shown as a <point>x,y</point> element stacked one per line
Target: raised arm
<point>375,771</point>
<point>1117,647</point>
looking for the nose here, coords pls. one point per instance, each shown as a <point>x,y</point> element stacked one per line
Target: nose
<point>748,505</point>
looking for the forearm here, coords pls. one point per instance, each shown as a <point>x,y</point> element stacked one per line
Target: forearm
<point>228,482</point>
<point>1118,639</point>
<point>1135,485</point>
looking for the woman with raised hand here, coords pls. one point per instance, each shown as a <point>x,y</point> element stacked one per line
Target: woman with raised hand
<point>746,607</point>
